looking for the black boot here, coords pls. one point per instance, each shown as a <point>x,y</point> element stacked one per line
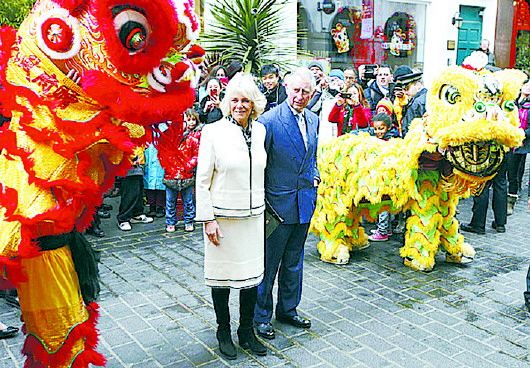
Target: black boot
<point>245,332</point>
<point>248,340</point>
<point>222,314</point>
<point>226,345</point>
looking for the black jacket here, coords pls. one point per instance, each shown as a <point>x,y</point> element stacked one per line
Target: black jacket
<point>414,109</point>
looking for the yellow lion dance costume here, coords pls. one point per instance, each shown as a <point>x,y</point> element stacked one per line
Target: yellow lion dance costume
<point>79,80</point>
<point>451,153</point>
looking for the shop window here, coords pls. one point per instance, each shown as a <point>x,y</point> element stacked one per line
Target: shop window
<point>363,31</point>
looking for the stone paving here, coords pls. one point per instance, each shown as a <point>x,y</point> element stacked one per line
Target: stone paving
<point>374,312</point>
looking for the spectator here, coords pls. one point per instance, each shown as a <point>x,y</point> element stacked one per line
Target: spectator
<point>230,203</point>
<point>517,157</point>
<point>131,195</point>
<point>412,84</point>
<point>351,111</point>
<point>385,106</point>
<point>379,87</point>
<point>477,224</point>
<point>233,68</point>
<point>220,73</point>
<point>485,48</point>
<point>350,77</point>
<point>291,181</point>
<point>209,111</point>
<point>180,177</point>
<point>321,93</point>
<point>155,191</point>
<point>383,130</point>
<point>336,81</point>
<point>273,90</point>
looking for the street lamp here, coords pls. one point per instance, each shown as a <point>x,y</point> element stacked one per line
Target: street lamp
<point>457,20</point>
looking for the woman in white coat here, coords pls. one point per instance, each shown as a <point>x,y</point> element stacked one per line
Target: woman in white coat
<point>231,204</point>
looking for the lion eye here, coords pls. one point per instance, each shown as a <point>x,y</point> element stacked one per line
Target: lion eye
<point>132,29</point>
<point>450,94</point>
<point>508,105</point>
<point>480,107</point>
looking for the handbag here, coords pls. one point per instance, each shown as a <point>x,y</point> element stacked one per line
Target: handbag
<point>272,219</point>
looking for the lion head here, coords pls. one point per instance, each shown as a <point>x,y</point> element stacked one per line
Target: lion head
<point>472,117</point>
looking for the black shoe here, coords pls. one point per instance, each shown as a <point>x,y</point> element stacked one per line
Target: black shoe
<point>95,231</point>
<point>8,332</point>
<point>226,345</point>
<point>498,228</point>
<point>13,301</point>
<point>295,321</point>
<point>248,340</point>
<point>103,213</point>
<point>265,330</point>
<point>106,207</point>
<point>471,229</point>
<point>160,212</point>
<point>152,211</point>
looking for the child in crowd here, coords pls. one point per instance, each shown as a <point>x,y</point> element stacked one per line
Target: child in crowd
<point>180,178</point>
<point>385,106</point>
<point>351,111</point>
<point>383,130</point>
<point>155,191</point>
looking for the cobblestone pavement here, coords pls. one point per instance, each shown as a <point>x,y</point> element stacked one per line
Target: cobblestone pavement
<point>374,312</point>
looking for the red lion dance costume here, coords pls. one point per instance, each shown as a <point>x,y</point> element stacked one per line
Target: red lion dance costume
<point>66,141</point>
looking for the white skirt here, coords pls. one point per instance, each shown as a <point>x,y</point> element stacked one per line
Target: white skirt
<point>239,261</point>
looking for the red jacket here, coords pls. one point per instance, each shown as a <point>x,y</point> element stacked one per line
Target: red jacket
<point>360,117</point>
<point>179,162</point>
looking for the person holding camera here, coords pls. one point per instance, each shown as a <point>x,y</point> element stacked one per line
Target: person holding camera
<point>209,110</point>
<point>379,87</point>
<point>322,89</point>
<point>351,111</point>
<point>409,83</point>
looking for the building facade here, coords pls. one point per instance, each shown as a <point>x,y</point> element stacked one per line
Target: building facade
<point>424,34</point>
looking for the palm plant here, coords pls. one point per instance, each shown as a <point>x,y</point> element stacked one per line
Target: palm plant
<point>13,12</point>
<point>249,31</point>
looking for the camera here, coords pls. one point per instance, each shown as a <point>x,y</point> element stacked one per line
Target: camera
<point>345,95</point>
<point>369,71</point>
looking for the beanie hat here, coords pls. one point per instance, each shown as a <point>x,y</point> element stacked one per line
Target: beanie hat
<point>337,73</point>
<point>315,63</point>
<point>386,104</point>
<point>405,75</point>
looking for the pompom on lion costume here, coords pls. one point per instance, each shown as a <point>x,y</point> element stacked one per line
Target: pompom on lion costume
<point>451,153</point>
<point>66,141</point>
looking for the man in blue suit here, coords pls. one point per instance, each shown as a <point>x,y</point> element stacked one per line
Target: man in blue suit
<point>291,180</point>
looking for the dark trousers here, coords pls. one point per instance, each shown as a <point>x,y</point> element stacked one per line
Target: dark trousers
<point>247,301</point>
<point>515,162</point>
<point>156,198</point>
<point>499,201</point>
<point>131,201</point>
<point>284,250</point>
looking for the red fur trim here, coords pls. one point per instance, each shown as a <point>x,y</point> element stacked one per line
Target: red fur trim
<point>37,356</point>
<point>130,106</point>
<point>195,51</point>
<point>178,71</point>
<point>168,153</point>
<point>162,20</point>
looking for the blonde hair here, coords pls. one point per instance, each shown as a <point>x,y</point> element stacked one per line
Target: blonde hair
<point>244,84</point>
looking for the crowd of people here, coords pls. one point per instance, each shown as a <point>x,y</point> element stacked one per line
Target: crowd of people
<point>249,149</point>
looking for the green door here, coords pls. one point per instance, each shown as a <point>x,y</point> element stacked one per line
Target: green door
<point>470,34</point>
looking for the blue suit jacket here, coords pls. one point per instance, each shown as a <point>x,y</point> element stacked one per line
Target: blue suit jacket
<point>291,169</point>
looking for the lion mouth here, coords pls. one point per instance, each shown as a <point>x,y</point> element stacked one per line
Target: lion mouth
<point>480,159</point>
